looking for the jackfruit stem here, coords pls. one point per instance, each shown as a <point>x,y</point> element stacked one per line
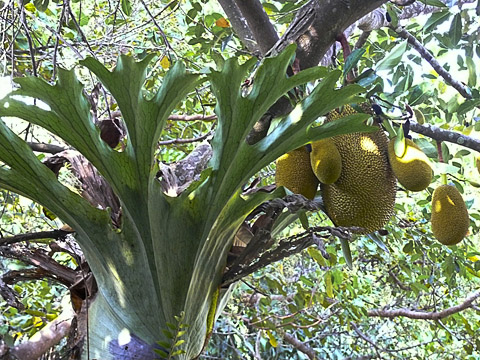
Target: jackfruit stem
<point>388,126</point>
<point>444,179</point>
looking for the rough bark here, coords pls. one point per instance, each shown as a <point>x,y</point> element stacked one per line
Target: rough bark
<point>45,339</point>
<point>259,23</point>
<point>239,23</point>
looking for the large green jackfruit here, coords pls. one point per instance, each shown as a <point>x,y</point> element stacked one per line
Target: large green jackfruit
<point>326,161</point>
<point>295,173</point>
<point>413,169</point>
<point>364,194</point>
<point>449,218</point>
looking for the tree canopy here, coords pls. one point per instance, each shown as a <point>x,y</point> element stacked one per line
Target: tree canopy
<point>138,208</point>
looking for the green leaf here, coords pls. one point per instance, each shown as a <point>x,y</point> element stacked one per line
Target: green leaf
<point>472,74</point>
<point>172,326</point>
<point>408,248</point>
<point>126,7</point>
<point>304,219</point>
<point>393,58</point>
<point>164,344</point>
<point>317,256</point>
<point>347,254</point>
<point>456,32</point>
<point>399,144</point>
<point>393,12</point>
<point>376,239</point>
<point>161,353</point>
<point>177,352</point>
<point>167,334</point>
<point>436,19</point>
<point>178,343</point>
<point>41,5</point>
<point>352,60</point>
<point>328,284</point>
<point>467,106</point>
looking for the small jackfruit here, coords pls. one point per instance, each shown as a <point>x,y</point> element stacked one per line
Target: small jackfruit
<point>295,173</point>
<point>413,169</point>
<point>364,194</point>
<point>326,161</point>
<point>449,218</point>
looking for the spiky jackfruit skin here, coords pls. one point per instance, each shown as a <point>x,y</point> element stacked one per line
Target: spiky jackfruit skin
<point>295,173</point>
<point>326,161</point>
<point>364,194</point>
<point>449,218</point>
<point>413,169</point>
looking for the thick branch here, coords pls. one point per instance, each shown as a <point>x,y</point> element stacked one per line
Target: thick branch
<point>439,134</point>
<point>422,315</point>
<point>259,23</point>
<point>46,338</point>
<point>240,25</point>
<point>46,148</point>
<point>326,20</point>
<point>427,55</point>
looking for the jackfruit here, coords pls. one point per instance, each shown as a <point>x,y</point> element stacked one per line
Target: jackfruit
<point>295,173</point>
<point>413,169</point>
<point>326,161</point>
<point>449,218</point>
<point>364,194</point>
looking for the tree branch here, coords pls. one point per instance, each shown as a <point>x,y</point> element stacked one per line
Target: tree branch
<point>259,24</point>
<point>439,134</point>
<point>240,25</point>
<point>186,141</point>
<point>297,344</point>
<point>46,338</point>
<point>427,55</point>
<point>45,148</point>
<point>54,234</point>
<point>422,315</point>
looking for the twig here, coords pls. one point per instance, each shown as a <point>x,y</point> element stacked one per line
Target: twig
<point>29,40</point>
<point>427,55</point>
<point>54,234</point>
<point>176,117</point>
<point>73,48</point>
<point>57,39</point>
<point>185,141</point>
<point>77,25</point>
<point>300,346</point>
<point>162,34</point>
<point>367,339</point>
<point>192,117</point>
<point>422,315</point>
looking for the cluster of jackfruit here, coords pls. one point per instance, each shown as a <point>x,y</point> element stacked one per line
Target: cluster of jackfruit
<point>364,193</point>
<point>357,182</point>
<point>358,174</point>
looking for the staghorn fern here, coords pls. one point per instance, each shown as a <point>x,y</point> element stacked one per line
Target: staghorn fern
<point>168,254</point>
